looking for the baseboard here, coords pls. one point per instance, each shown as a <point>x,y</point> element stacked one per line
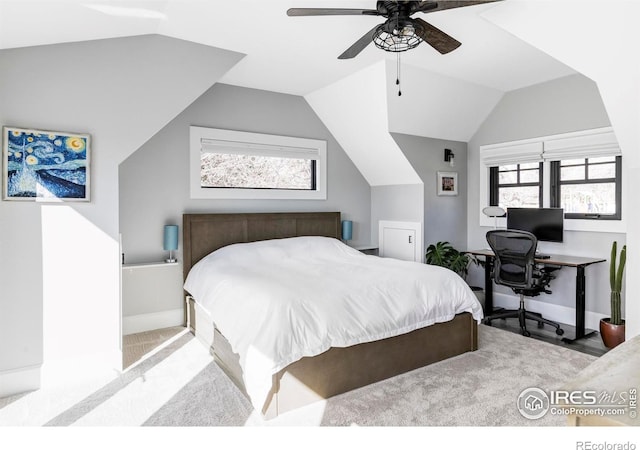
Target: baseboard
<point>558,313</point>
<point>152,321</point>
<point>57,373</point>
<point>17,381</point>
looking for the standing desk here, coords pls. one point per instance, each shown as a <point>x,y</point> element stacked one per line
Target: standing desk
<point>579,262</point>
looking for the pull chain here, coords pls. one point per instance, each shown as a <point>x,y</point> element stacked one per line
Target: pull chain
<point>398,73</point>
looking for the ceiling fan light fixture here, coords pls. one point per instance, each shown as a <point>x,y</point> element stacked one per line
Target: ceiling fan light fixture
<point>400,39</point>
<point>400,32</point>
<point>406,31</point>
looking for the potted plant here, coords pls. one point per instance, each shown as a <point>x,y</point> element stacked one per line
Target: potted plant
<point>612,328</point>
<point>445,255</point>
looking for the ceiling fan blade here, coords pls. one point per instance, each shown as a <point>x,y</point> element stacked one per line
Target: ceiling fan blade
<point>359,45</point>
<point>331,12</point>
<point>435,37</point>
<point>433,6</point>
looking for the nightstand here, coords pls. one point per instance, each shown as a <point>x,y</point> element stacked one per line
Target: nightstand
<point>152,296</point>
<point>367,250</point>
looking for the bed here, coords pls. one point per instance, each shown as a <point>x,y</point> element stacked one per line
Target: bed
<point>327,363</point>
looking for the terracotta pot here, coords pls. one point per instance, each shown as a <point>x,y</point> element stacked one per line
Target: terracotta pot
<point>612,335</point>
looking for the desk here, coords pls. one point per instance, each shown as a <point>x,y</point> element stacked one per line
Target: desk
<point>578,262</point>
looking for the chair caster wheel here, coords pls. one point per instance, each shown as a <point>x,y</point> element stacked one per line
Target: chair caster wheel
<point>559,331</point>
<point>540,324</point>
<point>526,333</point>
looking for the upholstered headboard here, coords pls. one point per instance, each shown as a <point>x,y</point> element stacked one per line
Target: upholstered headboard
<point>204,233</point>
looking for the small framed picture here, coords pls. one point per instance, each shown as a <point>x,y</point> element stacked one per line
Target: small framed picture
<point>43,165</point>
<point>447,183</point>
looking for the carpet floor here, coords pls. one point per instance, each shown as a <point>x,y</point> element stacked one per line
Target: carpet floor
<point>474,389</point>
<point>179,385</point>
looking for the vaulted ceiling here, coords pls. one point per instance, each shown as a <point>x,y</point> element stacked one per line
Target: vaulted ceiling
<point>295,55</point>
<point>444,96</point>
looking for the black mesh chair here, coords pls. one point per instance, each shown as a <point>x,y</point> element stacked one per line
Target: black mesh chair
<point>514,266</point>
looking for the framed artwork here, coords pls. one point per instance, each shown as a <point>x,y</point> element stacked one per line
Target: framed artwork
<point>45,165</point>
<point>447,183</point>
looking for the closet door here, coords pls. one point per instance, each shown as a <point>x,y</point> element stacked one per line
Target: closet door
<point>400,240</point>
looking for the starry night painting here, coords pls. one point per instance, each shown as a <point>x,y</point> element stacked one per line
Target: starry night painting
<point>45,165</point>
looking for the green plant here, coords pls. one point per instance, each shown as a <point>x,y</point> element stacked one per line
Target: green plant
<point>615,275</point>
<point>445,255</point>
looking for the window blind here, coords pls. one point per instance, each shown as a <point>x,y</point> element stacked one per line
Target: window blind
<point>493,156</point>
<point>590,144</point>
<point>256,149</point>
<point>587,146</point>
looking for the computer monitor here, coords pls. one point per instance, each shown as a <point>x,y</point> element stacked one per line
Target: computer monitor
<point>546,224</point>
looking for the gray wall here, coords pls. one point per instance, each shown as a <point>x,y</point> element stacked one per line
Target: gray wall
<point>154,187</point>
<point>402,203</point>
<point>121,91</point>
<point>568,104</point>
<point>444,216</point>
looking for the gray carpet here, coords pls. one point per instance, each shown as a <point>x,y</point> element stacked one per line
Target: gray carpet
<point>474,389</point>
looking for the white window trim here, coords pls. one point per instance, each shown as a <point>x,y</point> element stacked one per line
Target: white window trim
<point>316,149</point>
<point>600,137</point>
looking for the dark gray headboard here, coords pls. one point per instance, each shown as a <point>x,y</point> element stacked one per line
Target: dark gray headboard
<point>204,233</point>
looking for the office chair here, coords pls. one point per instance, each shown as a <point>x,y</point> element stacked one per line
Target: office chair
<point>514,266</point>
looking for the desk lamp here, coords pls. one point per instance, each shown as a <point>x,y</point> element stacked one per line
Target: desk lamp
<point>495,212</point>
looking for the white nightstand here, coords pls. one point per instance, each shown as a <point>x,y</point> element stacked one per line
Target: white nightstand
<point>152,296</point>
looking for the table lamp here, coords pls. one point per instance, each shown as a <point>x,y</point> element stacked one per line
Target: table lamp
<point>495,212</point>
<point>347,230</point>
<point>170,242</point>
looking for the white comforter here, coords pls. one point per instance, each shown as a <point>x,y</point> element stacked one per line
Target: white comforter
<point>277,301</point>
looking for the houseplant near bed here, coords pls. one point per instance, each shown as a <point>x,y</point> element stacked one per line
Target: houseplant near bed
<point>612,329</point>
<point>445,255</point>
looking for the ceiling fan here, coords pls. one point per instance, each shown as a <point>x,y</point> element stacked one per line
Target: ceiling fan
<point>400,32</point>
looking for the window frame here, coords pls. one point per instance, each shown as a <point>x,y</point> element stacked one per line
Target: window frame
<point>589,142</point>
<point>555,197</point>
<point>494,183</point>
<point>314,148</point>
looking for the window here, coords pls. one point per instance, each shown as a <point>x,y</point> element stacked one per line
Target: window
<point>222,167</point>
<point>587,188</point>
<point>235,165</point>
<point>579,171</point>
<point>516,185</point>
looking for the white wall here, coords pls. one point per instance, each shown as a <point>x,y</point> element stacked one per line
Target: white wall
<point>59,272</point>
<point>435,105</point>
<point>355,110</point>
<point>399,203</point>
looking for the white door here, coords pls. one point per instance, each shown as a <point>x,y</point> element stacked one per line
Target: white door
<point>400,240</point>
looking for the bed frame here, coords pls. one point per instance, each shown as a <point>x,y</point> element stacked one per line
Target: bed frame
<point>337,370</point>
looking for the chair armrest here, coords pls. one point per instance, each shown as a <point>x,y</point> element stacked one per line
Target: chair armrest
<point>542,277</point>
